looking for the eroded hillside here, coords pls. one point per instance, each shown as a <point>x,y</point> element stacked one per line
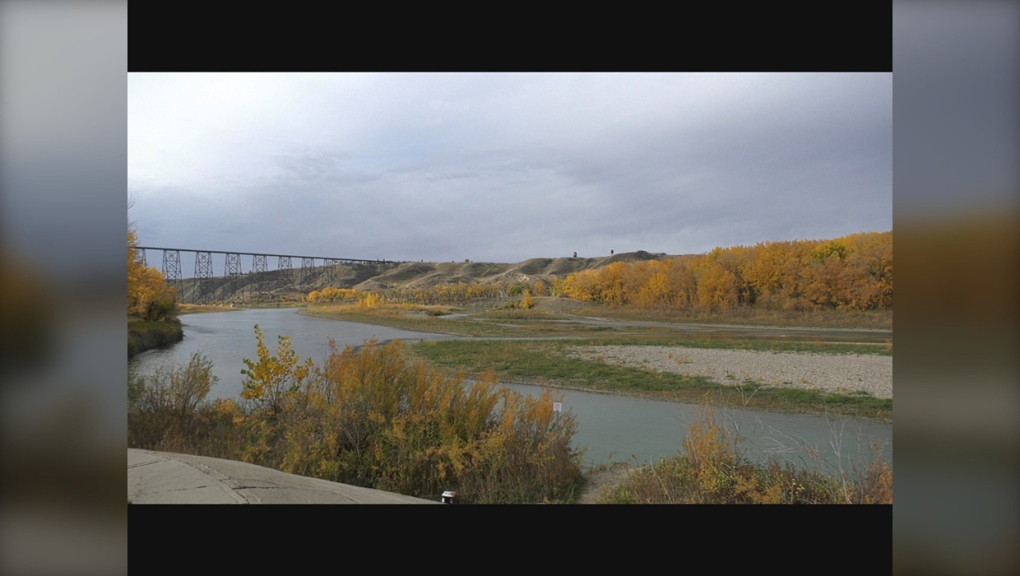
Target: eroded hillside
<point>293,285</point>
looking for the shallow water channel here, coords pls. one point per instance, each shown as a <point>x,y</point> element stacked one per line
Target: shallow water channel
<point>610,428</point>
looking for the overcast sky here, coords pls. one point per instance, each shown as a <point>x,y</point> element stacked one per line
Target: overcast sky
<point>505,167</point>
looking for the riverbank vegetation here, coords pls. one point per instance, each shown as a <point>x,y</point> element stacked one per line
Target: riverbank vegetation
<point>144,335</point>
<point>713,470</point>
<point>374,416</point>
<point>151,304</point>
<point>546,362</point>
<point>520,356</point>
<point>561,317</point>
<point>371,416</point>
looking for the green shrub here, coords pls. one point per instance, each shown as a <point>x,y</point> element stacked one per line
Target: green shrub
<point>159,309</point>
<point>518,288</point>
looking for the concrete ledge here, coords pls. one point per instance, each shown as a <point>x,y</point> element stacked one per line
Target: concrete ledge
<point>167,478</point>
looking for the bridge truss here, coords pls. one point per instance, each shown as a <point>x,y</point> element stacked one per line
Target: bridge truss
<point>232,267</point>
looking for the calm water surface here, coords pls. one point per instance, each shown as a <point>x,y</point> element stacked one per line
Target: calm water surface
<point>227,338</point>
<point>610,428</point>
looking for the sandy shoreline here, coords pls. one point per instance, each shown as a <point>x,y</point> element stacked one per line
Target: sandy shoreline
<point>843,373</point>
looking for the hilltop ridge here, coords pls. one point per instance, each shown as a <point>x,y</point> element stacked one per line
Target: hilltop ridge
<point>424,274</point>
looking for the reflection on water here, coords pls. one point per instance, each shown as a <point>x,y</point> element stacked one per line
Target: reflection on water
<point>610,428</point>
<point>620,428</point>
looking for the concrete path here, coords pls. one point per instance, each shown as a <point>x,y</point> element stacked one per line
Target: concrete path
<point>165,478</point>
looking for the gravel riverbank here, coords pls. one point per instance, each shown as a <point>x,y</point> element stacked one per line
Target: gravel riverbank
<point>843,373</point>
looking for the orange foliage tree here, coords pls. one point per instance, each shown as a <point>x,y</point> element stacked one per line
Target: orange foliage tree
<point>717,288</point>
<point>848,273</point>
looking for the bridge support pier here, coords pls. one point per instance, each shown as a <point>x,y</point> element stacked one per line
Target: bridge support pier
<point>203,275</point>
<point>307,266</point>
<point>259,266</point>
<point>172,271</point>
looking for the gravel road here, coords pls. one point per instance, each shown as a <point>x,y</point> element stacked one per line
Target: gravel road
<point>845,373</point>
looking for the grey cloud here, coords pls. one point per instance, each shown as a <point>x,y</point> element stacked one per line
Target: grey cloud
<point>511,166</point>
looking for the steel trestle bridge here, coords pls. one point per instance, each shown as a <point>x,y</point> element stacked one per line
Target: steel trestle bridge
<point>204,269</point>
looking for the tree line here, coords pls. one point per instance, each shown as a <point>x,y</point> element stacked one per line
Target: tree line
<point>451,293</point>
<point>852,272</point>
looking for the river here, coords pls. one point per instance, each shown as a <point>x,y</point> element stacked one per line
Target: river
<point>610,428</point>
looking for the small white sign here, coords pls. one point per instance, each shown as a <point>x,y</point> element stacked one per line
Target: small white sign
<point>557,406</point>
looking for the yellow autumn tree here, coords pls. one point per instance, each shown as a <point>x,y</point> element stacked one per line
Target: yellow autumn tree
<point>717,288</point>
<point>654,292</point>
<point>527,301</point>
<point>272,379</point>
<point>371,300</point>
<point>148,296</point>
